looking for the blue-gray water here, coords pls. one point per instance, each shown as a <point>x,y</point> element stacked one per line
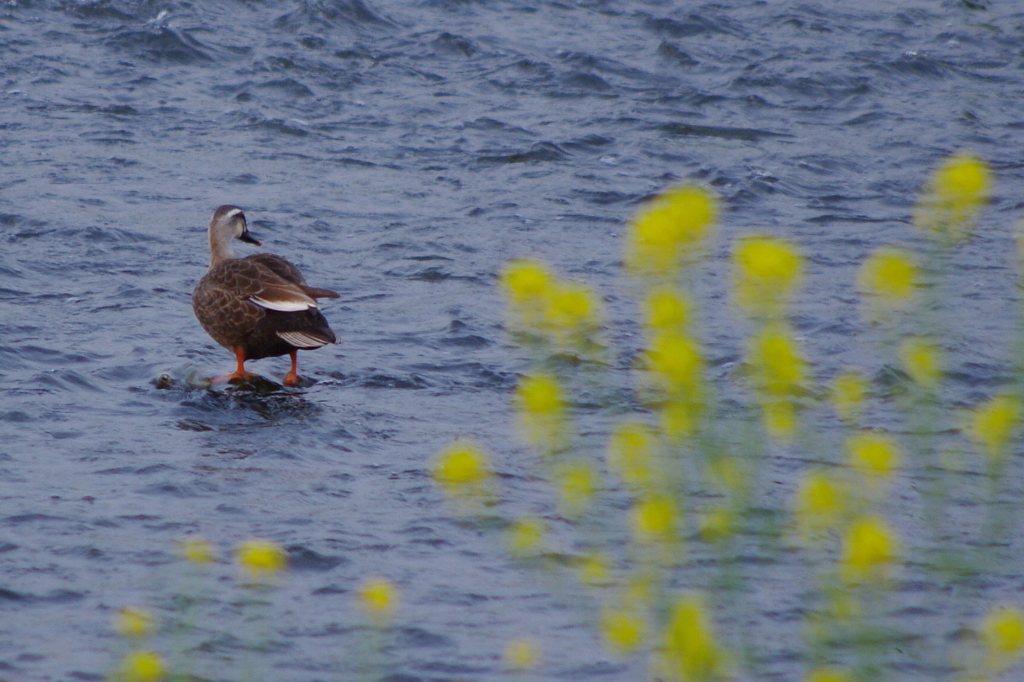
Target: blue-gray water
<point>400,153</point>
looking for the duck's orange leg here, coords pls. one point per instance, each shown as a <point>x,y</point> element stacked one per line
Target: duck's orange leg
<point>292,378</point>
<point>239,374</point>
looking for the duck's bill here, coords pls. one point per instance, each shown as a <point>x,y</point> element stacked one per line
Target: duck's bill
<point>248,238</point>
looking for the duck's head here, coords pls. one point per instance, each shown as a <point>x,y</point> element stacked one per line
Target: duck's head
<point>231,220</point>
<point>228,223</point>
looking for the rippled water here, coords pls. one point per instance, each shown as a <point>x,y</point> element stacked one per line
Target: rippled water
<point>399,153</point>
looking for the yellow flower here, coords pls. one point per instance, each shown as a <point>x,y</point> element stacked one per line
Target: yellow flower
<point>874,455</point>
<point>141,666</point>
<point>196,550</point>
<point>679,418</point>
<point>729,474</point>
<point>820,505</point>
<point>691,652</point>
<point>522,654</point>
<point>541,407</point>
<point>379,599</point>
<point>639,591</point>
<point>1002,633</point>
<point>594,570</point>
<point>540,394</point>
<point>993,425</point>
<point>134,623</point>
<point>890,275</point>
<point>829,675</point>
<point>869,551</point>
<point>654,520</point>
<point>668,231</point>
<point>718,525</point>
<point>577,481</point>
<point>766,272</point>
<point>631,454</point>
<point>526,537</point>
<point>780,419</point>
<point>954,197</point>
<point>923,361</point>
<point>261,558</point>
<point>622,630</point>
<point>777,366</point>
<point>665,309</point>
<point>462,469</point>
<point>526,282</point>
<point>848,392</point>
<point>675,361</point>
<point>572,309</point>
<point>844,606</point>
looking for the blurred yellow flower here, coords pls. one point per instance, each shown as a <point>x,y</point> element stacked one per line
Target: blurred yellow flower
<point>594,570</point>
<point>133,622</point>
<point>540,394</point>
<point>829,675</point>
<point>522,654</point>
<point>679,418</point>
<point>890,276</point>
<point>525,537</point>
<point>675,361</point>
<point>875,456</point>
<point>780,418</point>
<point>869,551</point>
<point>577,481</point>
<point>640,589</point>
<point>954,197</point>
<point>462,469</point>
<point>141,666</point>
<point>196,550</point>
<point>848,392</point>
<point>379,599</point>
<point>541,406</point>
<point>691,651</point>
<point>666,309</point>
<point>668,231</point>
<point>844,606</point>
<point>729,474</point>
<point>993,425</point>
<point>718,525</point>
<point>777,367</point>
<point>526,282</point>
<point>572,309</point>
<point>261,558</point>
<point>1002,633</point>
<point>766,272</point>
<point>622,630</point>
<point>631,454</point>
<point>923,361</point>
<point>654,520</point>
<point>820,505</point>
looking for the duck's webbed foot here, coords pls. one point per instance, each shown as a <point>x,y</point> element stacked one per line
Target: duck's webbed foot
<point>239,375</point>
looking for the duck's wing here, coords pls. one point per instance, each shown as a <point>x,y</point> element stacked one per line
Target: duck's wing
<point>279,266</point>
<point>286,271</point>
<point>243,279</point>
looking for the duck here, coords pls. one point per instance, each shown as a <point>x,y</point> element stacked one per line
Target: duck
<point>258,306</point>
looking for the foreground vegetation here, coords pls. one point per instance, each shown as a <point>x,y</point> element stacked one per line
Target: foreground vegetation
<point>666,519</point>
<point>699,470</point>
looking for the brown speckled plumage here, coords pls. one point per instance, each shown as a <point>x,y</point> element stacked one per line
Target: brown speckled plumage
<point>259,306</point>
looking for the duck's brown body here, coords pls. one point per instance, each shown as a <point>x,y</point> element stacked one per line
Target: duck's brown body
<point>259,306</point>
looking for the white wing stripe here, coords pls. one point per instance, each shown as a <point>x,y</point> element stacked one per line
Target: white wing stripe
<point>301,340</point>
<point>288,306</point>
